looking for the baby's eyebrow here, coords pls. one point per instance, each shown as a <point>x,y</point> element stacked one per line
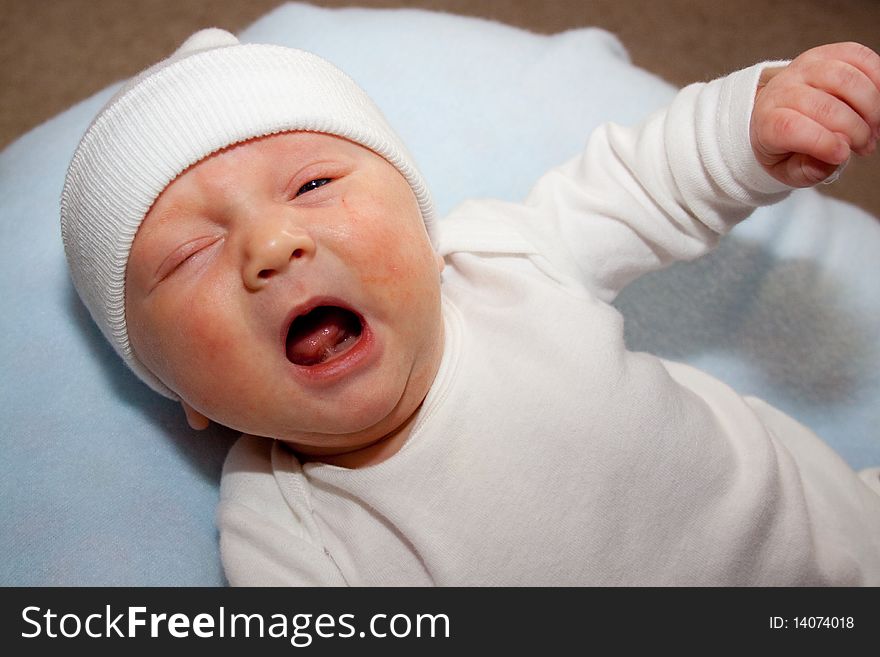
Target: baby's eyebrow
<point>160,215</point>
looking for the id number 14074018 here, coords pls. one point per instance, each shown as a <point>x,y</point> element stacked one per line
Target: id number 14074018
<point>812,622</point>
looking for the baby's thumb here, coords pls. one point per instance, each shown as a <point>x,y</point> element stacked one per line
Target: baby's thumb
<point>802,170</point>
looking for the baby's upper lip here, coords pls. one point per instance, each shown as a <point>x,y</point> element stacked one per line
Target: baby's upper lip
<point>310,304</point>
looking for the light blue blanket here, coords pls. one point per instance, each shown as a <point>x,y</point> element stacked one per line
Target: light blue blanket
<point>102,482</point>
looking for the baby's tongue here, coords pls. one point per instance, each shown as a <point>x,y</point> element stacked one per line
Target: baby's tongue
<point>321,334</point>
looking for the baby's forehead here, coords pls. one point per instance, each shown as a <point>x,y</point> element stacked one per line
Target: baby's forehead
<point>294,143</point>
<point>234,163</point>
<point>298,148</point>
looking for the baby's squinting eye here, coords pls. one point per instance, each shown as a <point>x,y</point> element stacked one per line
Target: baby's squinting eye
<point>313,184</point>
<point>186,253</point>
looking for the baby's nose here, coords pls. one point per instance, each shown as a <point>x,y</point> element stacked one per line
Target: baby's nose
<point>270,249</point>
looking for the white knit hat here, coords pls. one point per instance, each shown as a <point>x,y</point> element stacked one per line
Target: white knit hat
<point>211,93</point>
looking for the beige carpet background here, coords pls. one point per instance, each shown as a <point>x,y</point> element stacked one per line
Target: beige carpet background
<point>54,53</point>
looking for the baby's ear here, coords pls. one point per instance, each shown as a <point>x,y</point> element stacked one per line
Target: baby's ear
<point>195,419</point>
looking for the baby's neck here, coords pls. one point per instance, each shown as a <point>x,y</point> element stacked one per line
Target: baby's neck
<point>372,454</point>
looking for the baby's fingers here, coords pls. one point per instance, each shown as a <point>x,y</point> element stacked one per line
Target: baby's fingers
<point>849,84</point>
<point>837,116</point>
<point>855,55</point>
<point>787,137</point>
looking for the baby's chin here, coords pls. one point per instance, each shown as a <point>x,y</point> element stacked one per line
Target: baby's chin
<point>350,415</point>
<point>374,421</point>
<point>369,446</point>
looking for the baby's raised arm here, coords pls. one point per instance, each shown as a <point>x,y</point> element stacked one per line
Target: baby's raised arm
<point>810,115</point>
<point>640,198</point>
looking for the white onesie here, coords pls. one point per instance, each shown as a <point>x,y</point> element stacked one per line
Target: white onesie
<point>545,452</point>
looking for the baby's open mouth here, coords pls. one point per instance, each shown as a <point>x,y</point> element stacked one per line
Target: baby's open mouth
<point>322,334</point>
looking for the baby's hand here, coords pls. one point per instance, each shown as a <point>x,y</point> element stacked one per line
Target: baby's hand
<point>809,116</point>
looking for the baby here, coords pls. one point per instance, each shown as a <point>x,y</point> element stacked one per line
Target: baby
<point>452,402</point>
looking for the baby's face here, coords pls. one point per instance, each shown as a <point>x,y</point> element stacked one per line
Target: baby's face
<point>286,287</point>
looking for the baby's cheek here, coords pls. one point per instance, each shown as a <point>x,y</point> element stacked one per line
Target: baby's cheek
<point>207,337</point>
<point>401,272</point>
<point>390,251</point>
<point>226,331</point>
<point>200,335</point>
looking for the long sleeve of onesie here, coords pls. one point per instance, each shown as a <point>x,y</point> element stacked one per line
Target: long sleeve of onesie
<point>637,199</point>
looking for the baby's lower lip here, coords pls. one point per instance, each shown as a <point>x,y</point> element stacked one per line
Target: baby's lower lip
<point>358,355</point>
